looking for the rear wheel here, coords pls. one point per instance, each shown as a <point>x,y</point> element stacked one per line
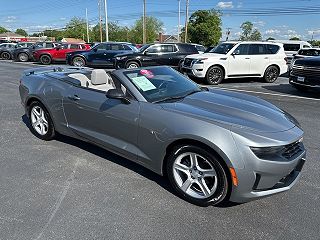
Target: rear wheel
<point>197,175</point>
<point>271,74</point>
<point>78,62</point>
<point>23,57</point>
<point>40,121</point>
<point>214,75</point>
<point>45,59</point>
<point>5,56</point>
<point>132,64</point>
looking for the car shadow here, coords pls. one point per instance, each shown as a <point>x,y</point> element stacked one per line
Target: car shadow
<point>114,158</point>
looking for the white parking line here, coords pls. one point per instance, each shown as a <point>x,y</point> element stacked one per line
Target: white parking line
<point>272,94</point>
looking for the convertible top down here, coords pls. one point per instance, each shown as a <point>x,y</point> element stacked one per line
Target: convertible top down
<point>213,145</point>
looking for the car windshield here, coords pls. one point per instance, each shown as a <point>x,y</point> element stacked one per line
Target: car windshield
<point>161,84</point>
<point>223,48</point>
<point>144,47</point>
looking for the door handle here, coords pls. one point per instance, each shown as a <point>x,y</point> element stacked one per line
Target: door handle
<point>74,97</point>
<point>266,58</point>
<point>247,58</point>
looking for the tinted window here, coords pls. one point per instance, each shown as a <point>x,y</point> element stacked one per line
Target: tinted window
<point>223,48</point>
<point>168,48</point>
<point>187,48</point>
<point>257,49</point>
<point>272,49</point>
<point>101,47</point>
<point>200,48</point>
<point>309,52</point>
<point>306,46</point>
<point>291,47</point>
<point>49,45</point>
<point>242,49</point>
<point>74,46</point>
<point>125,47</point>
<point>114,47</point>
<point>154,49</point>
<point>64,46</point>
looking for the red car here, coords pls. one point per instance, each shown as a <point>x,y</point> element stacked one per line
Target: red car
<point>59,53</point>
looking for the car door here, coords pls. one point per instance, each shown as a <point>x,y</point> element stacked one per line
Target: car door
<point>98,55</point>
<point>260,59</point>
<point>108,122</point>
<point>167,55</point>
<point>60,52</point>
<point>239,61</point>
<point>151,55</point>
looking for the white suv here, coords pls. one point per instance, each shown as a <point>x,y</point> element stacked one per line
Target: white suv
<point>237,60</point>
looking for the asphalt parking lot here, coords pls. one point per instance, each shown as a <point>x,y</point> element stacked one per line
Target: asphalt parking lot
<point>68,189</point>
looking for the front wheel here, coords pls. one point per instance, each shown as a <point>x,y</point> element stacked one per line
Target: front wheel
<point>45,59</point>
<point>40,121</point>
<point>214,75</point>
<point>78,62</point>
<point>132,64</point>
<point>271,74</point>
<point>23,57</point>
<point>197,175</point>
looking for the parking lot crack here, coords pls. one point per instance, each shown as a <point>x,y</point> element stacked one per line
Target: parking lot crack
<point>59,201</point>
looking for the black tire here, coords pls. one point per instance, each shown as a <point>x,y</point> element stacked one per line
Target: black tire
<point>6,55</point>
<point>132,64</point>
<point>218,196</point>
<point>271,74</point>
<point>45,60</point>
<point>23,57</point>
<point>215,75</point>
<point>49,131</point>
<point>78,62</point>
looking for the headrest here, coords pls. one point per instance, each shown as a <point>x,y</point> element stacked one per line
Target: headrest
<point>99,76</point>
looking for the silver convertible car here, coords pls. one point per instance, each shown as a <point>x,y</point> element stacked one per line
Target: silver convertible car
<point>213,145</point>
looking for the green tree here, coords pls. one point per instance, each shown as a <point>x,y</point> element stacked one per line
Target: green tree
<point>270,38</point>
<point>116,33</point>
<point>249,33</point>
<point>295,38</point>
<point>204,27</point>
<point>76,28</point>
<point>21,32</point>
<point>3,30</point>
<point>153,27</point>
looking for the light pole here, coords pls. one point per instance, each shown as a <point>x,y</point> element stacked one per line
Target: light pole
<point>106,15</point>
<point>88,38</point>
<point>100,20</point>
<point>179,6</point>
<point>144,40</point>
<point>186,24</point>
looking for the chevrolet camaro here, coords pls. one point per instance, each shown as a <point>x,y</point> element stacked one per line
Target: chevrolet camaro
<point>213,145</point>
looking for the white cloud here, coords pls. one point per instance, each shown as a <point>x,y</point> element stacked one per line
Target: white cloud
<point>272,31</point>
<point>11,19</point>
<point>259,23</point>
<point>225,5</point>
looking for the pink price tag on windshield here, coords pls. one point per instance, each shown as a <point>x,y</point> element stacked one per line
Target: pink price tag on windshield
<point>146,73</point>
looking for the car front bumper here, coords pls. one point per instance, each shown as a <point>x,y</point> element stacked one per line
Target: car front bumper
<point>305,81</point>
<point>197,70</point>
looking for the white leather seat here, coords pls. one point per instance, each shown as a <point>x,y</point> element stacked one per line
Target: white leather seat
<point>84,80</point>
<point>100,80</point>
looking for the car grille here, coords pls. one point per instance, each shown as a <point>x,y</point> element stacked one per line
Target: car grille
<point>187,62</point>
<point>292,150</point>
<point>306,71</point>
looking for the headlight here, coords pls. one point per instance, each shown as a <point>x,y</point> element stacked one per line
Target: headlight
<point>121,58</point>
<point>200,60</point>
<point>267,152</point>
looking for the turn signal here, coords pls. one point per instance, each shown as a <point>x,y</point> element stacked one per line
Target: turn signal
<point>234,177</point>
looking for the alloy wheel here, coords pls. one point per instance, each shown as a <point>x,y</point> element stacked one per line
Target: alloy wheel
<point>23,57</point>
<point>39,121</point>
<point>78,62</point>
<point>195,175</point>
<point>5,55</point>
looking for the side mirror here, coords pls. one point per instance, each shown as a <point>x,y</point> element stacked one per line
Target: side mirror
<point>117,94</point>
<point>95,49</point>
<point>294,54</point>
<point>58,47</point>
<point>146,52</point>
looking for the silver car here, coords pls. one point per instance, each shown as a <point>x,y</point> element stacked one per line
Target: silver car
<point>213,145</point>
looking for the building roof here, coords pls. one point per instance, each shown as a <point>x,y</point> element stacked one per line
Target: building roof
<point>11,34</point>
<point>72,40</point>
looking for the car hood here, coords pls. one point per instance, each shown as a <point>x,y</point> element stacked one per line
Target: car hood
<point>232,110</point>
<point>205,55</point>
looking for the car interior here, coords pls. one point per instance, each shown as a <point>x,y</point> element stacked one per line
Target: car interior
<point>99,80</point>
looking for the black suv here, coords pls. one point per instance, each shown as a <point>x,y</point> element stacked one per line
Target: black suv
<point>305,73</point>
<point>170,54</point>
<point>25,54</point>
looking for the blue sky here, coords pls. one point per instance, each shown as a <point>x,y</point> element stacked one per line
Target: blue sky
<point>298,17</point>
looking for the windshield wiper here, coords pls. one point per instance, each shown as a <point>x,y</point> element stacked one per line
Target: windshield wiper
<point>177,97</point>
